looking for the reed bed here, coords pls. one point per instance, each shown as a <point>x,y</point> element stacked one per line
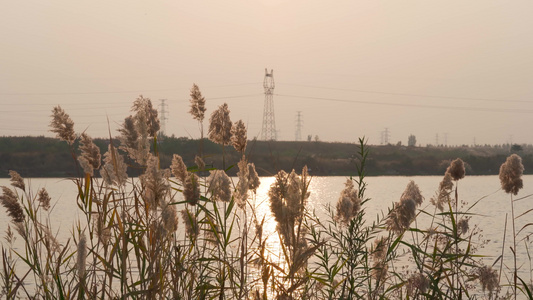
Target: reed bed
<point>130,246</point>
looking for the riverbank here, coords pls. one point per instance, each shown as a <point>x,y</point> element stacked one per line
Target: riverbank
<point>49,157</point>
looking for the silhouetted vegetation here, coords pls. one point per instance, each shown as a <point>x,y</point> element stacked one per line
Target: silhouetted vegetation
<point>49,157</point>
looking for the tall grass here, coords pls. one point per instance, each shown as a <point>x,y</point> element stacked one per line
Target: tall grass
<point>191,232</point>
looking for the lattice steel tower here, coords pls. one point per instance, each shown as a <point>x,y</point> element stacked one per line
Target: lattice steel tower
<point>298,134</point>
<point>268,132</point>
<point>163,117</point>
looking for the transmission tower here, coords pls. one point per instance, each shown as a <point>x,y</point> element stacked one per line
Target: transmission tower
<point>385,136</point>
<point>163,117</point>
<point>298,135</point>
<point>268,132</point>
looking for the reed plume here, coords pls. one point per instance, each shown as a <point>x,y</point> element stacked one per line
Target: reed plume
<point>412,191</point>
<point>462,226</point>
<point>288,196</point>
<point>197,104</point>
<point>443,196</point>
<point>142,152</point>
<point>178,167</point>
<point>50,240</point>
<point>129,135</point>
<point>220,126</point>
<point>219,184</point>
<point>238,136</point>
<point>90,157</point>
<point>379,256</point>
<point>404,211</point>
<point>43,198</point>
<point>62,125</point>
<point>21,229</point>
<point>253,178</point>
<point>511,174</point>
<point>276,195</point>
<point>103,233</point>
<point>137,129</point>
<point>417,282</point>
<point>134,138</point>
<point>144,106</point>
<point>401,216</point>
<point>241,190</point>
<point>511,180</point>
<point>199,163</point>
<point>456,169</point>
<point>488,277</point>
<point>16,180</point>
<point>170,218</point>
<point>82,255</point>
<point>114,171</point>
<point>154,182</point>
<point>10,202</point>
<point>191,189</point>
<point>348,204</point>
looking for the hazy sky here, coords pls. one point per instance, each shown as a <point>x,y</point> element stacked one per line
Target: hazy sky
<point>459,69</point>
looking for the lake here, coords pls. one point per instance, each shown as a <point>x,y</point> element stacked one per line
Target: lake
<point>490,212</point>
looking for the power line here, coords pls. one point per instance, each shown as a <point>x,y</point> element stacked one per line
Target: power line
<point>114,92</point>
<point>231,97</point>
<point>526,111</point>
<point>83,93</point>
<point>412,95</point>
<point>70,104</point>
<point>69,109</point>
<point>91,105</point>
<point>252,83</point>
<point>23,129</point>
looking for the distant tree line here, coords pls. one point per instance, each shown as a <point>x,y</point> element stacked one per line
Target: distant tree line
<point>49,157</point>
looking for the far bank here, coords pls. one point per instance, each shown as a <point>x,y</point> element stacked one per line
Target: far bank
<point>50,157</point>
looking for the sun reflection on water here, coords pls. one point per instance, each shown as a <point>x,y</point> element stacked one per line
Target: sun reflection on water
<point>263,214</point>
<point>273,244</point>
